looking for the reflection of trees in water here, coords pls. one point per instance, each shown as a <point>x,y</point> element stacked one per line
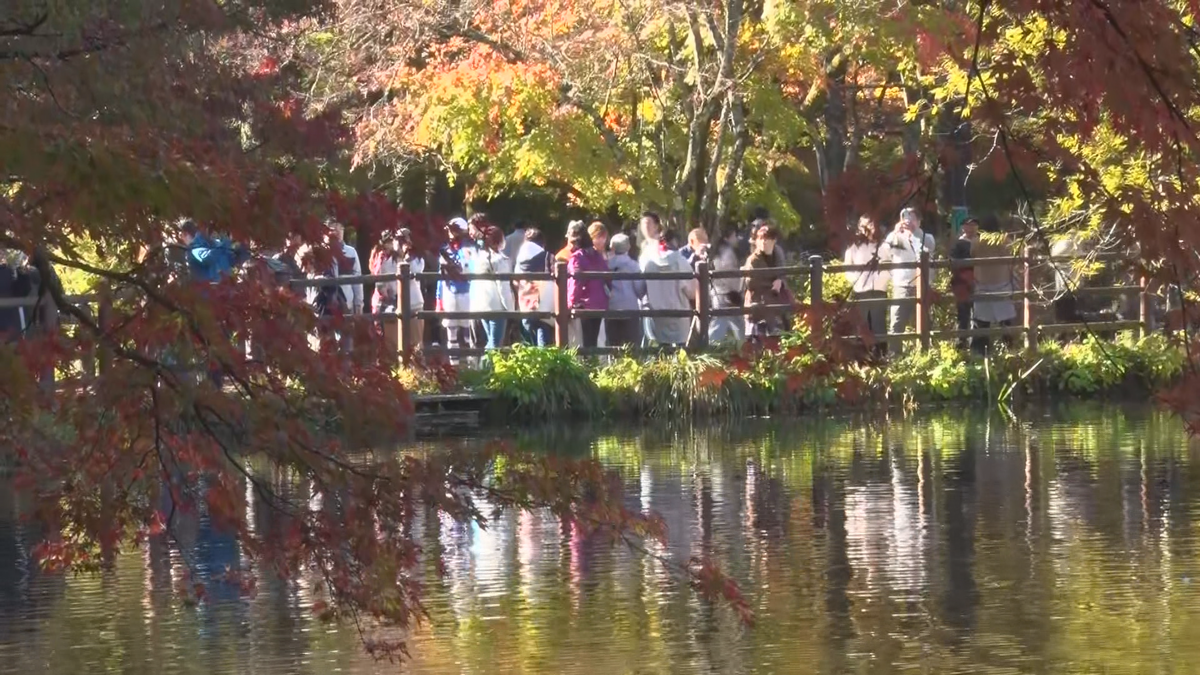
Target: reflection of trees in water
<point>866,546</point>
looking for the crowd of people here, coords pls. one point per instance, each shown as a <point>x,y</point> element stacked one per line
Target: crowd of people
<point>905,243</point>
<point>474,247</point>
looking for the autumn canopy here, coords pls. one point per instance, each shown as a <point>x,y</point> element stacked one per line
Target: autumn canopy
<point>261,118</point>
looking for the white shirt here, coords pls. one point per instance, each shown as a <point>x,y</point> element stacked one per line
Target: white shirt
<point>666,293</point>
<point>907,248</point>
<point>416,265</point>
<point>353,292</point>
<point>490,295</point>
<point>867,254</point>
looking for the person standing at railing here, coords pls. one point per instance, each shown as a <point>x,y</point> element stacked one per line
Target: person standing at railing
<point>209,259</point>
<point>726,292</point>
<point>492,295</point>
<point>906,243</point>
<point>15,283</point>
<point>626,295</point>
<point>453,291</point>
<point>349,265</point>
<point>416,266</point>
<point>588,294</point>
<point>870,284</point>
<point>535,296</point>
<point>658,257</point>
<point>995,278</point>
<point>327,298</point>
<point>962,275</point>
<point>599,234</point>
<point>765,290</point>
<point>386,298</point>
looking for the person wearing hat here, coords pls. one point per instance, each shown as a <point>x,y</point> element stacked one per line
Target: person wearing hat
<point>905,244</point>
<point>454,292</point>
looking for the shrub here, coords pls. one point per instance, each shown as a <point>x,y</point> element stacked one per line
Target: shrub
<point>542,382</point>
<point>534,382</point>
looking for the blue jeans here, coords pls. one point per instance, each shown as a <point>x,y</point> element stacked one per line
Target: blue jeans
<point>494,330</point>
<point>537,332</point>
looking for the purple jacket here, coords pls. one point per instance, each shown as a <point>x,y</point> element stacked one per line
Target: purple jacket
<point>587,293</point>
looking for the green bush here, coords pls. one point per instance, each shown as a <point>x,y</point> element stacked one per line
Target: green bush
<point>542,382</point>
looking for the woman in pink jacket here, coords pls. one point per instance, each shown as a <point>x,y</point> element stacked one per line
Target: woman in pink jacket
<point>586,293</point>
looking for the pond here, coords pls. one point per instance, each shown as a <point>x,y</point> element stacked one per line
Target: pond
<point>945,542</point>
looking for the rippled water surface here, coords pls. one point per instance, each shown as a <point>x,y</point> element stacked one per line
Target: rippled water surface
<point>946,543</point>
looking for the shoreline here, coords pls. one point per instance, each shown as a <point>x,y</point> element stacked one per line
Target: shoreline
<point>528,384</point>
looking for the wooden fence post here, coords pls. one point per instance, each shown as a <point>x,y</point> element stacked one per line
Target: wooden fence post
<point>562,310</point>
<point>703,303</point>
<point>816,280</point>
<point>405,319</point>
<point>1143,308</point>
<point>1027,320</point>
<point>924,296</point>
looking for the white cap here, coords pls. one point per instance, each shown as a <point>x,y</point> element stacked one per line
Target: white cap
<point>909,214</point>
<point>459,223</point>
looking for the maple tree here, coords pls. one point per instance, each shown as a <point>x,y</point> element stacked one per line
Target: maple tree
<point>120,119</point>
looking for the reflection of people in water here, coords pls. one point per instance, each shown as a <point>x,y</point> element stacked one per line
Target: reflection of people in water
<point>24,592</point>
<point>210,552</point>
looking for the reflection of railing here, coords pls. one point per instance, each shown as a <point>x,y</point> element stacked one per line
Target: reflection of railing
<point>1024,292</point>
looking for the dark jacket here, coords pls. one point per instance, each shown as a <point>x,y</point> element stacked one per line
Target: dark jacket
<point>210,260</point>
<point>15,282</point>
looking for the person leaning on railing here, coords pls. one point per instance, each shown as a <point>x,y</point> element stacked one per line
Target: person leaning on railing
<point>871,283</point>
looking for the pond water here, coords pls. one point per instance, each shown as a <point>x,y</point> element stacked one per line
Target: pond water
<point>942,543</point>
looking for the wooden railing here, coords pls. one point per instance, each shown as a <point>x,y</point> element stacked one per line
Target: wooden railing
<point>1025,292</point>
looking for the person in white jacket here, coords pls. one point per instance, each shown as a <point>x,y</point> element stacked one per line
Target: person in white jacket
<point>489,295</point>
<point>658,257</point>
<point>871,283</point>
<point>905,244</point>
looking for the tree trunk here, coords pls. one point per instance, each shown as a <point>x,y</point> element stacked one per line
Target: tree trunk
<point>954,145</point>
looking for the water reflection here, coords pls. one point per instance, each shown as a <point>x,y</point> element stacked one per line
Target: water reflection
<point>946,543</point>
